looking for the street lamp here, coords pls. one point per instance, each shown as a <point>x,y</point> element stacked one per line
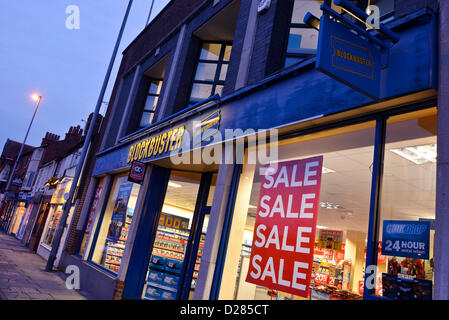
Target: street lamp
<point>38,99</point>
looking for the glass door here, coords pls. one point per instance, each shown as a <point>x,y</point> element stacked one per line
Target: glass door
<point>179,238</point>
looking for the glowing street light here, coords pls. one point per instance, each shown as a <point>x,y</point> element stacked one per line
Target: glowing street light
<point>36,98</point>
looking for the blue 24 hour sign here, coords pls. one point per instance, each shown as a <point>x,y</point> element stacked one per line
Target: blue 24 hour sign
<point>408,239</point>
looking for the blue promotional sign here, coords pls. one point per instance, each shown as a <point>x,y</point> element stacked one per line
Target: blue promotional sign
<point>118,218</point>
<point>408,239</point>
<point>348,58</point>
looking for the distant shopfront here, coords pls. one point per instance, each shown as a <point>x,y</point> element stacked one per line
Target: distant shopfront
<point>52,219</point>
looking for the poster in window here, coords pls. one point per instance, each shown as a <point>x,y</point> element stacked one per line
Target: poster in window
<point>118,218</point>
<point>330,239</point>
<point>284,231</point>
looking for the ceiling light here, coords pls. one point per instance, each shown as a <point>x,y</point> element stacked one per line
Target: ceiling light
<point>174,185</point>
<point>330,205</point>
<point>250,206</point>
<point>321,227</point>
<point>418,154</point>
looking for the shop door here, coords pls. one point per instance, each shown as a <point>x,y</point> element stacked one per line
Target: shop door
<point>179,239</point>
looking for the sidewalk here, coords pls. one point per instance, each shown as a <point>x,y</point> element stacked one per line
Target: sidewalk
<point>23,275</point>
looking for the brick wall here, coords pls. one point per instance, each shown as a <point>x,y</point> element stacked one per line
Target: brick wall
<point>74,236</point>
<point>168,19</point>
<point>270,42</point>
<point>118,292</point>
<point>237,46</point>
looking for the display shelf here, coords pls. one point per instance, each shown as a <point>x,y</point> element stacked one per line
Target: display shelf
<point>169,249</point>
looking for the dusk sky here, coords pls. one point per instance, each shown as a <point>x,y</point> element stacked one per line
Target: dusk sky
<point>67,67</point>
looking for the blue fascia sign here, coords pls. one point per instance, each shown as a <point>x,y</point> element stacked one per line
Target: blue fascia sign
<point>409,239</point>
<point>348,58</point>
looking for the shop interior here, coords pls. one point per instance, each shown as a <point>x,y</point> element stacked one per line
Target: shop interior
<point>408,194</point>
<point>113,234</point>
<point>176,222</point>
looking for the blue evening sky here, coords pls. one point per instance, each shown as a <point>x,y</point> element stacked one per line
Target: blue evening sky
<point>67,67</point>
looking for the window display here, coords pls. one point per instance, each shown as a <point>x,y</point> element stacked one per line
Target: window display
<point>115,224</point>
<point>164,276</point>
<point>53,224</point>
<point>342,220</point>
<point>408,207</point>
<point>90,218</point>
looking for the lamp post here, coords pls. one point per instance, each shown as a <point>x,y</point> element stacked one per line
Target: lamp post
<point>68,203</point>
<point>38,99</point>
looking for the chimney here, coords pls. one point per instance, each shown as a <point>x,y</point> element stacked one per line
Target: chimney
<point>49,138</point>
<point>74,132</point>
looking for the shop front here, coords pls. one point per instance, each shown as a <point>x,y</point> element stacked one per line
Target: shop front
<point>355,195</point>
<point>376,169</point>
<point>207,221</point>
<point>52,213</point>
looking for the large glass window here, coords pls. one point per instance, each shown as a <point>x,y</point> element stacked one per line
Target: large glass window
<point>408,197</point>
<point>91,216</point>
<point>53,224</point>
<point>176,221</point>
<point>342,222</point>
<point>150,103</point>
<point>211,71</point>
<point>115,224</point>
<point>302,39</point>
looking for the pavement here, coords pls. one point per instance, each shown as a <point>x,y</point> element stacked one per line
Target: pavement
<point>23,275</point>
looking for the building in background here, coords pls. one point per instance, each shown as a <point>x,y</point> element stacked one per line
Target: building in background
<point>46,174</point>
<point>15,198</point>
<point>185,231</point>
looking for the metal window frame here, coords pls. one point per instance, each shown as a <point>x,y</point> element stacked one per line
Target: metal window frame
<point>220,62</point>
<point>98,227</point>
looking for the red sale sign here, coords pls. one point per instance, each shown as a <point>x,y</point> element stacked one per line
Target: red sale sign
<point>321,278</point>
<point>284,232</point>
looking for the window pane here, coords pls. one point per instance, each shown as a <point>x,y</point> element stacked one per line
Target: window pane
<point>91,217</point>
<point>218,89</point>
<point>115,225</point>
<point>206,71</point>
<point>302,40</point>
<point>408,196</point>
<point>150,104</point>
<point>343,210</point>
<point>155,87</point>
<point>146,119</point>
<point>53,225</point>
<point>223,72</point>
<point>200,91</point>
<point>227,53</point>
<point>301,7</point>
<point>210,51</point>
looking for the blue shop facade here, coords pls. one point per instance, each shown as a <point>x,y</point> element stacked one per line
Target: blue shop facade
<point>184,228</point>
